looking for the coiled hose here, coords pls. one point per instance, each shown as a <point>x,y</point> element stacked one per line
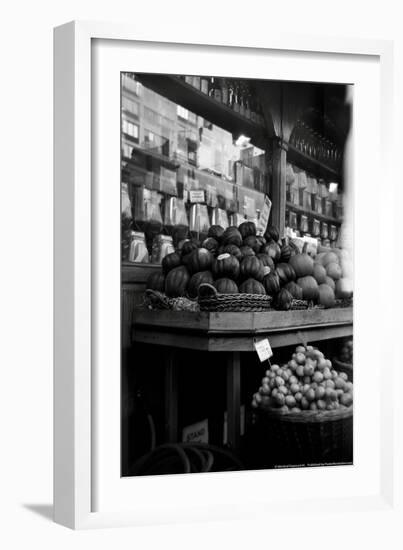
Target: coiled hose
<point>185,458</point>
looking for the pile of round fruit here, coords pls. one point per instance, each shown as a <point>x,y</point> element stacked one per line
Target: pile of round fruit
<point>306,382</point>
<point>237,260</point>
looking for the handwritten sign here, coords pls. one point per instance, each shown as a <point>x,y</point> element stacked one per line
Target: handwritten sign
<point>196,195</point>
<point>263,349</point>
<point>197,432</point>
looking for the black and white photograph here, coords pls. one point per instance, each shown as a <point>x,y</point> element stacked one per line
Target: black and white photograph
<point>236,274</point>
<point>201,336</point>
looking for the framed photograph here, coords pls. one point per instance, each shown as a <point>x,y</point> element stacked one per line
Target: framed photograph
<point>213,276</point>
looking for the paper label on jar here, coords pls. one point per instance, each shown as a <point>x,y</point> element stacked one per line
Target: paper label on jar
<point>249,206</point>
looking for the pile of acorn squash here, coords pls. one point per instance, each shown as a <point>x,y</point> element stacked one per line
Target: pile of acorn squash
<point>237,260</point>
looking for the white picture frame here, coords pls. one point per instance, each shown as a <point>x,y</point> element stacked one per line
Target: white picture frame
<point>80,425</point>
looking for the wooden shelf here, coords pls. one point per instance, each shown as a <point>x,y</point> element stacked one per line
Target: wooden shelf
<point>194,100</point>
<point>137,273</point>
<point>235,331</point>
<point>307,212</point>
<point>311,165</point>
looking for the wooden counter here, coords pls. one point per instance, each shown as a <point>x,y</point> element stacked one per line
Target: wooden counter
<point>235,331</point>
<point>230,333</point>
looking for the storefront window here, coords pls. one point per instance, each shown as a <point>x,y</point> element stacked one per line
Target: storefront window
<point>183,153</point>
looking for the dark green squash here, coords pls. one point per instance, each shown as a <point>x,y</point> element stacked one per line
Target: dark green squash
<point>232,236</point>
<point>225,265</point>
<point>232,249</point>
<point>247,229</point>
<point>176,282</point>
<point>251,267</point>
<point>283,300</point>
<point>156,281</point>
<point>294,289</point>
<point>216,231</point>
<point>266,260</point>
<point>272,233</point>
<point>254,243</point>
<point>285,273</point>
<point>273,250</point>
<point>170,261</point>
<point>286,251</point>
<point>252,286</point>
<point>271,283</point>
<point>226,286</point>
<point>199,260</point>
<point>196,280</point>
<point>188,246</point>
<point>261,240</point>
<point>211,244</point>
<point>294,247</point>
<point>246,251</point>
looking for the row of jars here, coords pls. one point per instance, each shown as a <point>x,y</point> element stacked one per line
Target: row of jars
<point>312,143</point>
<point>236,94</point>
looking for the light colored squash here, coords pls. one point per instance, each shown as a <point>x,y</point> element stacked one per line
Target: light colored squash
<point>334,271</point>
<point>319,272</point>
<point>309,287</point>
<point>326,296</point>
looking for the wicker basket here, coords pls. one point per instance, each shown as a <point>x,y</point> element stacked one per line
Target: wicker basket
<point>345,302</point>
<point>153,299</point>
<point>309,437</point>
<point>304,304</point>
<point>211,300</point>
<point>343,367</point>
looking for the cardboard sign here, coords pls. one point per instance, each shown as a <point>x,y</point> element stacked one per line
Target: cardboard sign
<point>264,217</point>
<point>263,349</point>
<point>197,432</point>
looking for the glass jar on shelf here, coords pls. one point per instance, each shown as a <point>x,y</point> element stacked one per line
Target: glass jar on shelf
<point>247,100</point>
<point>215,89</point>
<point>241,99</point>
<point>138,252</point>
<point>252,106</point>
<point>196,82</point>
<point>224,91</point>
<point>204,84</point>
<point>235,98</point>
<point>259,114</point>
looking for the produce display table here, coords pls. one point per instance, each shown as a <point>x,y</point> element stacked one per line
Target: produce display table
<point>230,333</point>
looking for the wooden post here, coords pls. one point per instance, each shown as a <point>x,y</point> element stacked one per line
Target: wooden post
<point>171,397</point>
<point>234,400</point>
<point>278,194</point>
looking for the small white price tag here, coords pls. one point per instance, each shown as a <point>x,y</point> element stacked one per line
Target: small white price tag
<point>263,349</point>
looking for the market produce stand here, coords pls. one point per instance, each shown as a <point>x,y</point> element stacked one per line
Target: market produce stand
<point>299,124</point>
<point>230,333</point>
